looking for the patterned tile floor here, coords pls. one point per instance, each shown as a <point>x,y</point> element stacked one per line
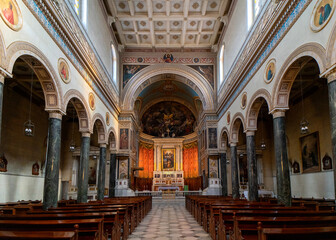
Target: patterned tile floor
<point>169,220</point>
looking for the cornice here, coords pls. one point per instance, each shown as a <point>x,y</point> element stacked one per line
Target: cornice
<point>56,18</point>
<point>277,20</point>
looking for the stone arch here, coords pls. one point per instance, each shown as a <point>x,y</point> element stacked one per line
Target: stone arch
<point>254,106</point>
<point>191,78</point>
<point>43,69</point>
<point>173,99</point>
<point>81,107</point>
<point>237,119</point>
<point>222,140</point>
<point>112,142</point>
<point>98,120</point>
<point>331,47</point>
<point>290,69</point>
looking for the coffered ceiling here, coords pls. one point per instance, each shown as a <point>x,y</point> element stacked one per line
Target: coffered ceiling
<point>168,23</point>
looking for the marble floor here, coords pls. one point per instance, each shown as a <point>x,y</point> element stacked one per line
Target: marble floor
<point>169,220</point>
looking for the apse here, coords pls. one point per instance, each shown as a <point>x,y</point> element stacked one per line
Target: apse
<point>168,119</point>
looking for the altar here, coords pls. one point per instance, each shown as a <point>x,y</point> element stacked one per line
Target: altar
<point>168,180</point>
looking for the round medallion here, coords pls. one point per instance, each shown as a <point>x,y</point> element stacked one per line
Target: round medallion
<point>140,59</point>
<point>228,118</point>
<point>107,119</point>
<point>322,13</point>
<point>92,102</point>
<point>63,70</point>
<point>11,14</point>
<point>269,71</point>
<point>196,60</point>
<point>244,100</point>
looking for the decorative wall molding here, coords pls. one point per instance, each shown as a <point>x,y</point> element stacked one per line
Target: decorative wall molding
<point>267,34</point>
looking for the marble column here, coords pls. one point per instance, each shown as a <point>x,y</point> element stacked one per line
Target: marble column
<point>83,179</point>
<point>2,81</point>
<point>223,173</point>
<point>332,110</point>
<point>50,191</point>
<point>113,164</point>
<point>281,159</point>
<point>234,171</point>
<point>252,166</point>
<point>101,174</point>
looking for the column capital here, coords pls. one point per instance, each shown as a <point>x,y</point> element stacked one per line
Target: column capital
<point>278,113</point>
<point>102,145</point>
<point>56,114</point>
<point>330,74</point>
<point>233,144</point>
<point>250,132</point>
<point>86,134</point>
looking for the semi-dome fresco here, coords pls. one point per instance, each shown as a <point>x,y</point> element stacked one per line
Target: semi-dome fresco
<point>168,119</point>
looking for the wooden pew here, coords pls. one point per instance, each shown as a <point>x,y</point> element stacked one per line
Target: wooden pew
<point>38,235</point>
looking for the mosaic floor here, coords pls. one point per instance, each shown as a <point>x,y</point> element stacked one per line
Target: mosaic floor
<point>169,220</point>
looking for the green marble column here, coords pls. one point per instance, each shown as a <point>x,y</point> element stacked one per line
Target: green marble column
<point>50,191</point>
<point>113,164</point>
<point>252,166</point>
<point>223,174</point>
<point>234,171</point>
<point>101,174</point>
<point>83,169</point>
<point>332,111</point>
<point>281,159</point>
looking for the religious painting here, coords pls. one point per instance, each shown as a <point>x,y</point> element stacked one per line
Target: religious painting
<point>92,102</point>
<point>244,100</point>
<point>124,138</point>
<point>228,118</point>
<point>107,119</point>
<point>129,71</point>
<point>212,133</point>
<point>35,169</point>
<point>168,119</point>
<point>168,159</point>
<point>3,163</point>
<point>168,58</point>
<point>123,169</point>
<point>269,71</point>
<point>310,153</point>
<point>296,167</point>
<point>322,13</point>
<point>327,162</point>
<point>11,14</point>
<point>213,167</point>
<point>207,71</point>
<point>92,174</point>
<point>63,70</point>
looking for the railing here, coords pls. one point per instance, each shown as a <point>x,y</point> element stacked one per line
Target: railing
<point>158,194</point>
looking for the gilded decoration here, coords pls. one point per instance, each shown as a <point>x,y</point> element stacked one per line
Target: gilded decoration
<point>269,71</point>
<point>11,14</point>
<point>92,102</point>
<point>321,15</point>
<point>63,70</point>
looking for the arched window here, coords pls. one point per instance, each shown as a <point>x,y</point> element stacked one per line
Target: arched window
<point>80,7</point>
<point>221,65</point>
<point>253,9</point>
<point>114,65</point>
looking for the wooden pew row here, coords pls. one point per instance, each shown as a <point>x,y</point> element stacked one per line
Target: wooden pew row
<point>38,235</point>
<point>249,228</point>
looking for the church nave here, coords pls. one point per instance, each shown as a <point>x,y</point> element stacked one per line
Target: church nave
<point>169,219</point>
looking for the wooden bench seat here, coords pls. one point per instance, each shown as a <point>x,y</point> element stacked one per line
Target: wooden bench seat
<point>38,235</point>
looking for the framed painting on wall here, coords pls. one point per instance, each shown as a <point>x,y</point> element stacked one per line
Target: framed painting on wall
<point>168,159</point>
<point>310,153</point>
